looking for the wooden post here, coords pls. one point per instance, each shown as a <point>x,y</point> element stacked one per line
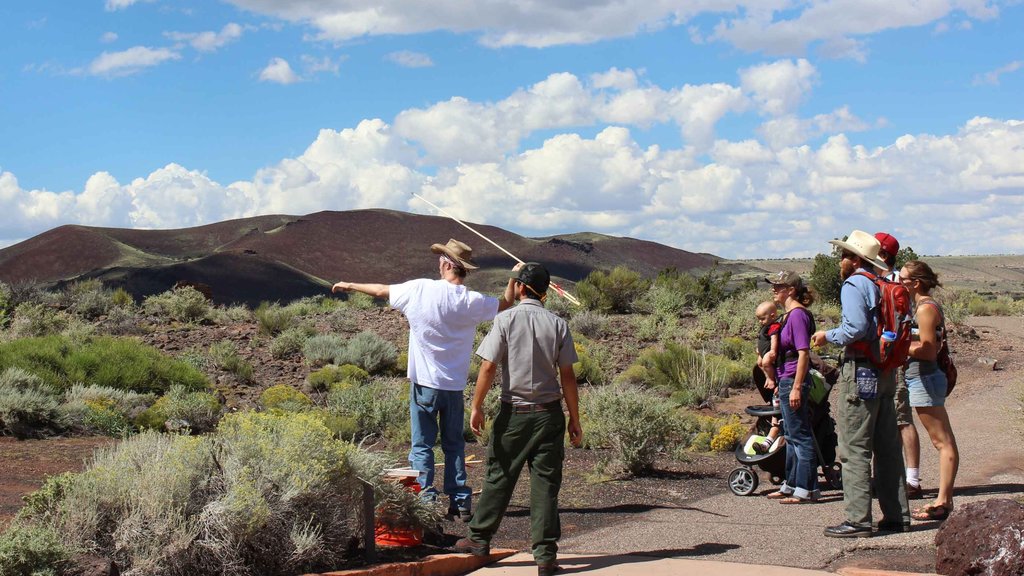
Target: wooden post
<point>369,524</point>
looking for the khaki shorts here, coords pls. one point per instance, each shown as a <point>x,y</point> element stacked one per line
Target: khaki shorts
<point>903,413</point>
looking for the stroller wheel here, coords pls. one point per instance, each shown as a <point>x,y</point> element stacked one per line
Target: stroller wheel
<point>742,481</point>
<point>834,475</point>
<point>777,480</point>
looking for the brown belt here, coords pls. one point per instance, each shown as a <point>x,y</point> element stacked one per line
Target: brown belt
<point>555,405</point>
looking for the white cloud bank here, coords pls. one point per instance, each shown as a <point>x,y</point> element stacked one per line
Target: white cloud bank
<point>781,27</point>
<point>130,61</point>
<point>779,195</point>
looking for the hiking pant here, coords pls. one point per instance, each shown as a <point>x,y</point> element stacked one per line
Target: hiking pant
<point>536,439</point>
<point>868,428</point>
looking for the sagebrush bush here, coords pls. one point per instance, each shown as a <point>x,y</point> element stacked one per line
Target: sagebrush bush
<point>27,405</point>
<point>103,409</point>
<point>272,319</point>
<point>342,320</point>
<point>588,323</point>
<point>36,319</point>
<point>30,550</point>
<point>230,315</point>
<point>635,424</point>
<point>270,494</point>
<point>656,327</point>
<point>322,349</point>
<point>183,305</point>
<point>123,321</point>
<point>286,398</point>
<point>89,298</point>
<point>288,342</point>
<point>360,301</point>
<point>122,363</point>
<point>380,407</point>
<point>311,305</point>
<point>368,351</point>
<point>734,316</point>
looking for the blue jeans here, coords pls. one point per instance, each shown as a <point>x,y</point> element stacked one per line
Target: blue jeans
<point>427,408</point>
<point>801,458</point>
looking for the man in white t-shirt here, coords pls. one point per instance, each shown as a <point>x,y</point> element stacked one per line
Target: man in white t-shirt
<point>443,315</point>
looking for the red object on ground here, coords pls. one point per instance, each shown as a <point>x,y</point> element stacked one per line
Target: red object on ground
<point>385,535</point>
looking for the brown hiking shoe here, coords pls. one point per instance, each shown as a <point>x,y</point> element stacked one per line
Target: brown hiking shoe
<point>467,546</point>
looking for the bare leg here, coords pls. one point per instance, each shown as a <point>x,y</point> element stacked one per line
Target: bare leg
<point>936,422</point>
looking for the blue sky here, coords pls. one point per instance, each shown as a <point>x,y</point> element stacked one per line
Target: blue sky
<point>742,128</point>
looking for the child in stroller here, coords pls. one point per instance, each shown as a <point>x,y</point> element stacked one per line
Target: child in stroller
<point>743,480</point>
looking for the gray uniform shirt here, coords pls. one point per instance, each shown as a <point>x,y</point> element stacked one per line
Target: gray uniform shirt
<point>531,344</point>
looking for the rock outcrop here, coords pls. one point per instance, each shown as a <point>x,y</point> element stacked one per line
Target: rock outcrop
<point>982,538</point>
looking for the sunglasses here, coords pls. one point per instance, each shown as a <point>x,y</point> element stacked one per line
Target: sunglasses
<point>779,287</point>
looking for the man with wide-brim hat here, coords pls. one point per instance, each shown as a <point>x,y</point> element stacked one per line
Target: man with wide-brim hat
<point>865,407</point>
<point>443,315</point>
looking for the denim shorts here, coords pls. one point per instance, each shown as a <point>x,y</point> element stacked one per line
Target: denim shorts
<point>927,390</point>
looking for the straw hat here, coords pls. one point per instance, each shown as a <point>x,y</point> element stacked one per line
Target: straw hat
<point>864,245</point>
<point>457,251</point>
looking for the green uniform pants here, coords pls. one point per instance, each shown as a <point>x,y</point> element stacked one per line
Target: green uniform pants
<point>868,428</point>
<point>536,439</point>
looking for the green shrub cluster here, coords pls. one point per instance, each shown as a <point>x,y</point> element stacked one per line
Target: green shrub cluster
<point>27,405</point>
<point>693,377</point>
<point>324,379</point>
<point>183,305</point>
<point>102,409</point>
<point>612,291</point>
<point>322,349</point>
<point>31,550</point>
<point>121,363</point>
<point>706,433</point>
<point>635,424</point>
<point>285,398</point>
<point>370,352</point>
<point>588,323</point>
<point>289,342</point>
<point>32,319</point>
<point>267,494</point>
<point>379,407</point>
<point>182,410</point>
<point>89,299</point>
<point>594,363</point>
<point>272,319</point>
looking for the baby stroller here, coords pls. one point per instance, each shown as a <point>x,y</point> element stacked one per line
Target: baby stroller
<point>743,480</point>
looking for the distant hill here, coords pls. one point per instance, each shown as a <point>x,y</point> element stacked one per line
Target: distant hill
<point>280,258</point>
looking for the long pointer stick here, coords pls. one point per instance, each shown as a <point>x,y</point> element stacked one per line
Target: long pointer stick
<point>558,289</point>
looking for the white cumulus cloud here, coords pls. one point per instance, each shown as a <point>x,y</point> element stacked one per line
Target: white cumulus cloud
<point>130,61</point>
<point>209,41</point>
<point>279,71</point>
<point>408,59</point>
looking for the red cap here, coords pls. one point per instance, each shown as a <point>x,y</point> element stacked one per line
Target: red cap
<point>889,244</point>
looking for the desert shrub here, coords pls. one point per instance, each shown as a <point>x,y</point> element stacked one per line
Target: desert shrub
<point>323,379</point>
<point>182,409</point>
<point>825,278</point>
<point>183,305</point>
<point>360,301</point>
<point>560,305</point>
<point>635,424</point>
<point>103,409</point>
<point>368,351</point>
<point>121,298</point>
<point>322,349</point>
<point>270,494</point>
<point>727,436</point>
<point>694,378</point>
<point>284,397</point>
<point>30,550</point>
<point>656,327</point>
<point>230,315</point>
<point>589,323</point>
<point>225,356</point>
<point>89,298</point>
<point>273,319</point>
<point>594,362</point>
<point>612,291</point>
<point>123,321</point>
<point>826,313</point>
<point>311,305</point>
<point>734,316</point>
<point>36,319</point>
<point>27,405</point>
<point>734,347</point>
<point>380,407</point>
<point>288,342</point>
<point>342,320</point>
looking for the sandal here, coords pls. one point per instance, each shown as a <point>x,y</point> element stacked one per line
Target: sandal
<point>796,500</point>
<point>777,495</point>
<point>930,513</point>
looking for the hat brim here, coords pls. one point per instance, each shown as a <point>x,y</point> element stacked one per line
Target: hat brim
<point>442,249</point>
<point>876,261</point>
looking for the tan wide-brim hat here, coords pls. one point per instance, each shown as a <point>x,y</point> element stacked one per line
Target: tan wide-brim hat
<point>864,245</point>
<point>458,251</point>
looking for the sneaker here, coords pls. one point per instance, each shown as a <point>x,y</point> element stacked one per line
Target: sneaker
<point>467,546</point>
<point>547,569</point>
<point>762,447</point>
<point>463,514</point>
<point>914,492</point>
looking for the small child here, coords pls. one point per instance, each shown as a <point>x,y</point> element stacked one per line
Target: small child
<point>767,350</point>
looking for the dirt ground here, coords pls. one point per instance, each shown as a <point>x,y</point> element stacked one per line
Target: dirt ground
<point>596,511</point>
